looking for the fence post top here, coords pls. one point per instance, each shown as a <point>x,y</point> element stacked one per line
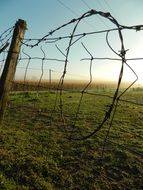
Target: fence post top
<point>22,23</point>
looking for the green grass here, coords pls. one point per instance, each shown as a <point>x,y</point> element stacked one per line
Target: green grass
<point>36,152</point>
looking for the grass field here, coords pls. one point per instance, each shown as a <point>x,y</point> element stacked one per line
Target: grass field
<point>38,152</point>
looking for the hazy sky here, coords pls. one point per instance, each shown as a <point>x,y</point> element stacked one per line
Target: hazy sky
<point>43,16</point>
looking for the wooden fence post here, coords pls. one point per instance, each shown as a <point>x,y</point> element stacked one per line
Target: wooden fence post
<point>10,64</point>
<point>50,79</point>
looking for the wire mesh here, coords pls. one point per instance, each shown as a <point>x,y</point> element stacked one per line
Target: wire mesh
<point>82,111</point>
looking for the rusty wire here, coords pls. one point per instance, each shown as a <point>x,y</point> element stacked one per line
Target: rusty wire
<point>73,38</point>
<point>5,38</point>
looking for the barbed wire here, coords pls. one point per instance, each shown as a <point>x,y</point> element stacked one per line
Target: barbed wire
<point>5,38</point>
<point>6,34</point>
<point>79,36</point>
<point>85,15</point>
<point>108,117</point>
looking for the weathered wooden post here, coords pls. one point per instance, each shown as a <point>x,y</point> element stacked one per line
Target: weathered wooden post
<point>10,64</point>
<point>50,80</point>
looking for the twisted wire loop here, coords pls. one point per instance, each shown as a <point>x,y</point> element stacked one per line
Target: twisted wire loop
<point>73,121</point>
<point>116,96</point>
<point>73,39</point>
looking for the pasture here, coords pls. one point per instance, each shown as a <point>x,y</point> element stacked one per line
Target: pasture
<point>39,149</point>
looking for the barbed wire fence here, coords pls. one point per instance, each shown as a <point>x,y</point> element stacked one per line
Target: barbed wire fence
<point>101,124</point>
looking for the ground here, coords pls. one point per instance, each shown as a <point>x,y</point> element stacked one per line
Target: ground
<point>39,149</point>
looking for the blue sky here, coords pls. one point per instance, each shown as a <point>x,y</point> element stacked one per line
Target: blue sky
<point>43,16</point>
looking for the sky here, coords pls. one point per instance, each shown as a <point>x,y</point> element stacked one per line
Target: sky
<point>43,16</point>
